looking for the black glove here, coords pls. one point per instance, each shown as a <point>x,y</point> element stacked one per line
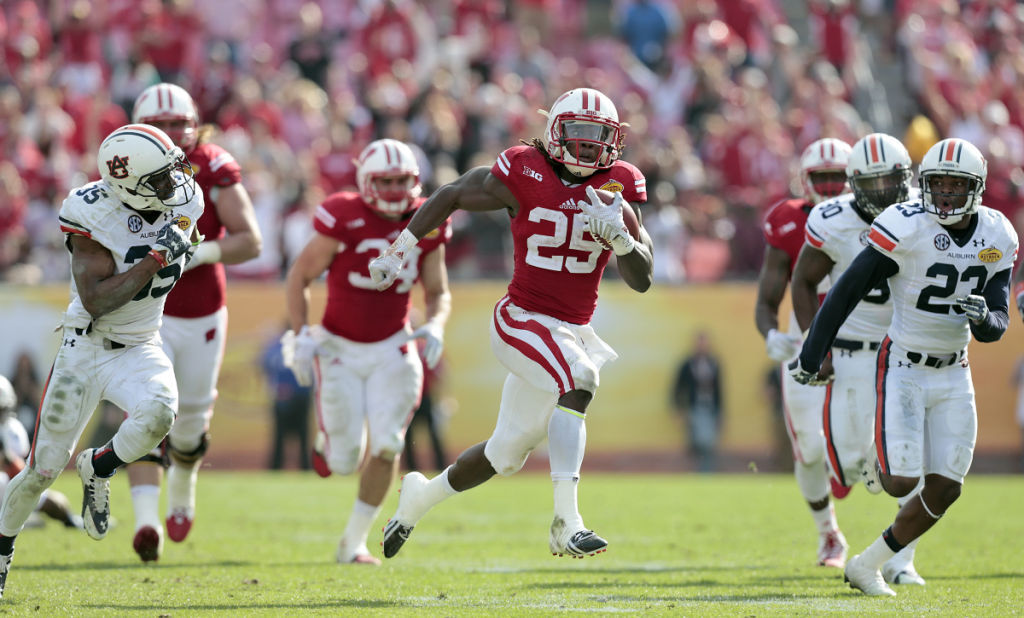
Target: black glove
<point>172,241</point>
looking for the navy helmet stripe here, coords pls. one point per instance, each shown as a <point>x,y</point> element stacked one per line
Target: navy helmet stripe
<point>140,134</point>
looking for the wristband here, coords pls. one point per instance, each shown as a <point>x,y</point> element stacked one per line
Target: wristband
<point>405,241</point>
<point>159,257</point>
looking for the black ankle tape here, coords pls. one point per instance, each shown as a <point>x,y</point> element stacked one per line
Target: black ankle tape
<point>891,541</point>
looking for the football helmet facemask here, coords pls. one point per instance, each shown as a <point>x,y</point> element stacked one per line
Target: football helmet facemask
<point>823,169</point>
<point>583,131</point>
<point>952,176</point>
<point>388,176</point>
<point>144,169</point>
<point>879,173</point>
<point>170,108</point>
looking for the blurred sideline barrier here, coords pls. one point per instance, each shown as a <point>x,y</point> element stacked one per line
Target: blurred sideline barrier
<point>630,421</point>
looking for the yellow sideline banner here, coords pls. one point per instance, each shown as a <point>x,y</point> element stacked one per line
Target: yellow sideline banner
<point>632,412</point>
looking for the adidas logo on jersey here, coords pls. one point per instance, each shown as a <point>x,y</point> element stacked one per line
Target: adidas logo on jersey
<point>568,205</point>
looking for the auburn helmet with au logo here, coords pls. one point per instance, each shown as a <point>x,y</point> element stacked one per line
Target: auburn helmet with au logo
<point>144,168</point>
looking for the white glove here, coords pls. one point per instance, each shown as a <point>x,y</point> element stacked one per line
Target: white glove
<point>974,307</point>
<point>605,221</point>
<point>781,346</point>
<point>433,335</point>
<point>810,378</point>
<point>297,352</point>
<point>385,268</point>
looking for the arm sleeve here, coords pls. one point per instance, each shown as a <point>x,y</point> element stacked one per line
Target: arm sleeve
<point>868,269</point>
<point>997,297</point>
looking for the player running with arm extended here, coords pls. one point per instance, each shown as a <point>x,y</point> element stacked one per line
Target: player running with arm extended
<point>369,376</point>
<point>948,261</point>
<point>541,330</point>
<point>837,231</point>
<point>129,235</point>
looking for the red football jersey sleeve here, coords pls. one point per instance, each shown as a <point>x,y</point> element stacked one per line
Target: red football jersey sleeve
<point>201,290</point>
<point>557,264</point>
<point>356,310</point>
<point>784,227</point>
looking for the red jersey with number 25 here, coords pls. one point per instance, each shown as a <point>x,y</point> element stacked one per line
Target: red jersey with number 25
<point>558,265</point>
<point>356,310</point>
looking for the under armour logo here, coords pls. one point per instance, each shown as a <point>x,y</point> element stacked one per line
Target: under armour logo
<point>69,343</point>
<point>118,167</point>
<point>979,243</point>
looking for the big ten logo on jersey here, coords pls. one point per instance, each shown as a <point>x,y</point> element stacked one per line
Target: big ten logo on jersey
<point>359,276</point>
<point>533,174</point>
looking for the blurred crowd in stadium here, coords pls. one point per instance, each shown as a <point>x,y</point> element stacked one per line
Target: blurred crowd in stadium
<point>721,96</point>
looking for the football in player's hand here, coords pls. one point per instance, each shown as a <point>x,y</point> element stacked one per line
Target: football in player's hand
<point>628,216</point>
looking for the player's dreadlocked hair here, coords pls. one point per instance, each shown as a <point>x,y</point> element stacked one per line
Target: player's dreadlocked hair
<point>537,143</point>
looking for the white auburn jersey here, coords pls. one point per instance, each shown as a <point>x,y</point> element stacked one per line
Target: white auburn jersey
<point>93,211</point>
<point>835,229</point>
<point>935,271</point>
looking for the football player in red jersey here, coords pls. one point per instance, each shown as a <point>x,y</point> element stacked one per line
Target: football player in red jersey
<point>368,373</point>
<point>541,329</point>
<point>195,317</point>
<point>822,176</point>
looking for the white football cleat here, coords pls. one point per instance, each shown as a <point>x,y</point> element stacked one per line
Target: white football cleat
<point>411,507</point>
<point>575,542</point>
<point>899,570</point>
<point>865,579</point>
<point>5,567</point>
<point>95,496</point>
<point>832,549</point>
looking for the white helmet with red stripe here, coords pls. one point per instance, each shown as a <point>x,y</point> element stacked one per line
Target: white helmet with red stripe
<point>960,195</point>
<point>823,169</point>
<point>169,107</point>
<point>879,173</point>
<point>144,169</point>
<point>579,120</point>
<point>388,176</point>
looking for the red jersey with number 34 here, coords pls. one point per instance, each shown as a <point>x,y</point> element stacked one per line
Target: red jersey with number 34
<point>356,310</point>
<point>558,265</point>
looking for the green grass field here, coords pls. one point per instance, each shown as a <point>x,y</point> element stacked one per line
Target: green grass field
<point>679,545</point>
